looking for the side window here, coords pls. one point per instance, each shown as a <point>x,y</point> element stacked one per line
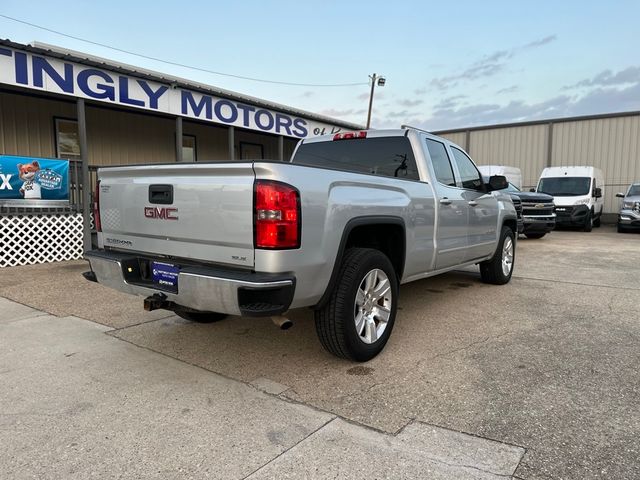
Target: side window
<point>189,148</point>
<point>469,174</point>
<point>441,163</point>
<point>67,139</point>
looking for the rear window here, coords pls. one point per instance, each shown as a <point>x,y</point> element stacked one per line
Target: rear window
<point>386,156</point>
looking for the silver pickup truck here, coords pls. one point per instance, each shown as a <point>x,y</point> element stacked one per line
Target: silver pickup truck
<point>337,229</point>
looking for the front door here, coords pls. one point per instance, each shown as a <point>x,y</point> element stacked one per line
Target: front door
<point>483,209</point>
<point>451,207</point>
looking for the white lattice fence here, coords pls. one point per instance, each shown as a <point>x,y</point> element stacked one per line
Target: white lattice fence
<point>40,238</point>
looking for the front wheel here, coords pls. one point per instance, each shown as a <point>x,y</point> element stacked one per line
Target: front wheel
<point>596,222</point>
<point>357,320</point>
<point>499,269</point>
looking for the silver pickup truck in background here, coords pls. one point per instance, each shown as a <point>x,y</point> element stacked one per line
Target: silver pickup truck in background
<point>337,228</point>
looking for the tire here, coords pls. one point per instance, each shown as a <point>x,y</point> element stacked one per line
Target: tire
<point>200,317</point>
<point>588,222</point>
<point>596,222</point>
<point>535,235</point>
<point>492,271</point>
<point>621,229</point>
<point>336,320</point>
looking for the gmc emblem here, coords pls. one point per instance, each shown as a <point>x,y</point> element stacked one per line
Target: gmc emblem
<point>163,213</point>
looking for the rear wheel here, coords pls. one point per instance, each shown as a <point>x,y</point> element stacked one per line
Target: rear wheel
<point>200,317</point>
<point>357,320</point>
<point>535,235</point>
<point>499,269</point>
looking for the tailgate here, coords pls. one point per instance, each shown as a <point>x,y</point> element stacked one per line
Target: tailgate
<point>195,211</point>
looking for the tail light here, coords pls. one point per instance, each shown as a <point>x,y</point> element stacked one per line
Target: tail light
<point>350,135</point>
<point>277,215</point>
<point>96,208</point>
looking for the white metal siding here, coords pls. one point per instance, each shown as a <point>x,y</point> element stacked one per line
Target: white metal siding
<point>610,144</point>
<point>522,147</point>
<point>459,138</point>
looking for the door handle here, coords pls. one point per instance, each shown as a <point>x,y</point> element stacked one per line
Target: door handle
<point>445,201</point>
<point>473,203</point>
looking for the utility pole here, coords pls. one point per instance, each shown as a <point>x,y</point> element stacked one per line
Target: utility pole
<point>380,81</point>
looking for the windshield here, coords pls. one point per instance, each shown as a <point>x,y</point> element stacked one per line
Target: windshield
<point>565,186</point>
<point>634,190</point>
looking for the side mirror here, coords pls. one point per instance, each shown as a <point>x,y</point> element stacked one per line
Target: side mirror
<point>497,182</point>
<point>620,195</point>
<point>597,192</point>
<point>532,189</point>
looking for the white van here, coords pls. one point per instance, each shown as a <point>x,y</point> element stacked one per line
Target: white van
<point>513,174</point>
<point>577,193</point>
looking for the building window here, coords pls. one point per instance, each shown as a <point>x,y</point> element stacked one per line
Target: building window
<point>189,148</point>
<point>251,151</point>
<point>67,139</point>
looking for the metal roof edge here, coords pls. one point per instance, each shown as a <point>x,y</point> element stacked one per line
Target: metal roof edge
<point>100,62</point>
<point>597,116</point>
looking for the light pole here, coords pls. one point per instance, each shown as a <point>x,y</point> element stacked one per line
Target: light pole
<point>381,81</point>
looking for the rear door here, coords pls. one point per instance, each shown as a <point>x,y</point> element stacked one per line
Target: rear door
<point>196,211</point>
<point>482,208</point>
<point>452,208</point>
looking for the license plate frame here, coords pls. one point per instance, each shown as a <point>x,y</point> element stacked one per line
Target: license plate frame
<point>165,275</point>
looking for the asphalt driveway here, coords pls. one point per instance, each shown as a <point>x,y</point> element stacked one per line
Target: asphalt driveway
<point>548,362</point>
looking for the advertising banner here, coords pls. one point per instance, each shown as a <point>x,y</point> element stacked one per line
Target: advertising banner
<point>30,180</point>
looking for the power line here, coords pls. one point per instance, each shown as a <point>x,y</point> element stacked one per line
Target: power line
<point>176,64</point>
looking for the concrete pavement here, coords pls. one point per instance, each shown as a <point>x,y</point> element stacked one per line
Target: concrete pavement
<point>78,403</point>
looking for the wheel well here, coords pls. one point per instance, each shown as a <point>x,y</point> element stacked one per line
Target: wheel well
<point>389,238</point>
<point>513,225</point>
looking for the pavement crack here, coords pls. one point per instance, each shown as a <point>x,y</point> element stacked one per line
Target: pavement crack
<point>547,280</point>
<point>114,330</point>
<point>290,448</point>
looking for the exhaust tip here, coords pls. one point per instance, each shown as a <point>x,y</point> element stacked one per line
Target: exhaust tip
<point>283,323</point>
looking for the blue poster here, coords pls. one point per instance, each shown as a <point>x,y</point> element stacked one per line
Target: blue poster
<point>31,178</point>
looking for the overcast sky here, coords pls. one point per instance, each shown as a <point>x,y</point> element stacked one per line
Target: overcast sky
<point>447,64</point>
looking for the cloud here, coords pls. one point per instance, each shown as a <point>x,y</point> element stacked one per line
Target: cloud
<point>608,78</point>
<point>307,94</point>
<point>487,66</point>
<point>407,102</point>
<point>402,114</point>
<point>510,89</point>
<point>420,91</point>
<point>540,42</point>
<point>332,112</point>
<point>450,102</point>
<point>598,100</point>
<point>365,96</point>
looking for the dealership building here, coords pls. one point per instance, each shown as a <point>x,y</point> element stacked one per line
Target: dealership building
<point>61,104</point>
<point>610,142</point>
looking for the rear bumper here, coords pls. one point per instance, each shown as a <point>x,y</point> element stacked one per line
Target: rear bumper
<point>205,288</point>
